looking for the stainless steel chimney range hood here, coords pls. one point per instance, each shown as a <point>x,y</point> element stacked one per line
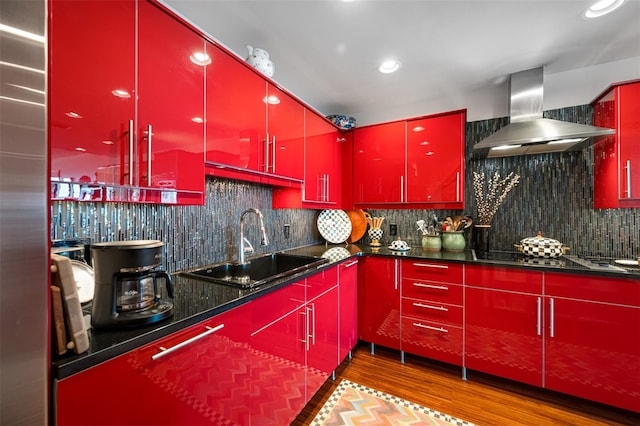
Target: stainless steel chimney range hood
<point>530,133</point>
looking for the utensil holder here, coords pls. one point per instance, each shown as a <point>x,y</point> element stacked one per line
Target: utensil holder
<point>453,241</point>
<point>431,243</point>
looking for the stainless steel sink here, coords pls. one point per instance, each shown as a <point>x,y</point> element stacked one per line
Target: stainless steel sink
<point>259,270</point>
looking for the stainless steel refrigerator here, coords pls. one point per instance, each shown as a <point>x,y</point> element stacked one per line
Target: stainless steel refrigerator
<point>24,223</point>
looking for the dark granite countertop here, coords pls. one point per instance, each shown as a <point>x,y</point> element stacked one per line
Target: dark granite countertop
<point>197,300</point>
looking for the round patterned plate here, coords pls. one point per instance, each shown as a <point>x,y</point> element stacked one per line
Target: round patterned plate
<point>334,226</point>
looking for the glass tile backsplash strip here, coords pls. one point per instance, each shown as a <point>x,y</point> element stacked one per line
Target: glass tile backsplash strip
<point>194,236</point>
<point>554,196</point>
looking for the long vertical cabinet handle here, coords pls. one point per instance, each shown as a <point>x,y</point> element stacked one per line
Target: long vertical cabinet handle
<point>149,129</point>
<point>396,271</point>
<point>552,323</point>
<point>539,324</point>
<point>313,323</point>
<point>273,155</point>
<point>130,152</point>
<point>306,328</point>
<point>458,186</point>
<point>402,189</point>
<point>266,153</point>
<point>628,178</point>
<point>326,183</point>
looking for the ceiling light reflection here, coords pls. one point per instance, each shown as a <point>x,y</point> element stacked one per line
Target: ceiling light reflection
<point>22,33</point>
<point>121,93</point>
<point>601,8</point>
<point>200,58</point>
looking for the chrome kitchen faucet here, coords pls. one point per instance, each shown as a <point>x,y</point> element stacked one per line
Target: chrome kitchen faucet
<point>264,241</point>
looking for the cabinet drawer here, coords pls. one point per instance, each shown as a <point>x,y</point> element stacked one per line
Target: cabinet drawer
<point>432,271</point>
<point>437,291</point>
<point>432,340</point>
<point>625,291</point>
<point>509,279</point>
<point>432,311</point>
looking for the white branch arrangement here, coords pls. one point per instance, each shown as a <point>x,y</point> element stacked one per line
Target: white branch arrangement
<point>497,190</point>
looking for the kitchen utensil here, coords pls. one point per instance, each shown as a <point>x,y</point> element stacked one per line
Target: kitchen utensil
<point>126,284</point>
<point>358,225</point>
<point>334,226</point>
<point>540,246</point>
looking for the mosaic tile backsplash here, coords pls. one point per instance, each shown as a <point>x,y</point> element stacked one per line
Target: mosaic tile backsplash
<point>555,196</point>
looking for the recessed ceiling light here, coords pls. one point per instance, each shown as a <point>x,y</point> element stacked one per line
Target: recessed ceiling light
<point>602,7</point>
<point>390,66</point>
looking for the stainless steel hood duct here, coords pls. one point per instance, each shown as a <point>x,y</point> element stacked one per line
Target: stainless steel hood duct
<point>528,132</point>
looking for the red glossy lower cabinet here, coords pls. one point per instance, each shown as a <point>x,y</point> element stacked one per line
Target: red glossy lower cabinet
<point>592,344</point>
<point>348,302</point>
<point>196,376</point>
<point>503,322</point>
<point>379,301</point>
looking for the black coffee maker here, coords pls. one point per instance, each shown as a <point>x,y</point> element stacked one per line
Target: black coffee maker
<point>126,291</point>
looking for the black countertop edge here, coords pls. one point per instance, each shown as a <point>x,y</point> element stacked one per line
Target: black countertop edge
<point>197,300</point>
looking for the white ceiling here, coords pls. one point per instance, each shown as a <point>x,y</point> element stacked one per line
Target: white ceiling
<point>455,54</point>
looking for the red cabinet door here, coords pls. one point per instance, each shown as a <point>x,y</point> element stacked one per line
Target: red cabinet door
<point>191,384</point>
<point>170,128</point>
<point>348,279</point>
<point>616,180</point>
<point>503,334</point>
<point>322,353</point>
<point>91,103</point>
<point>322,161</point>
<point>379,301</point>
<point>629,142</point>
<point>435,159</point>
<point>236,113</point>
<point>592,351</point>
<point>379,163</point>
<point>284,155</point>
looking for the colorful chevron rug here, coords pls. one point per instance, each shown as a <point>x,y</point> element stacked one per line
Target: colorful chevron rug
<point>354,404</point>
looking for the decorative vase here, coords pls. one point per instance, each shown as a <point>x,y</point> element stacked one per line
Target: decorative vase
<point>431,243</point>
<point>481,235</point>
<point>375,234</point>
<point>453,241</point>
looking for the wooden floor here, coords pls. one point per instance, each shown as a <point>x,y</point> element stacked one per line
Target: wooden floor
<point>482,399</point>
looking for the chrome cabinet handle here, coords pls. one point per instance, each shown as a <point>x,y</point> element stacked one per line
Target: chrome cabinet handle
<point>552,324</point>
<point>326,193</point>
<point>628,178</point>
<point>149,129</point>
<point>395,274</point>
<point>166,351</point>
<point>130,152</point>
<point>430,265</point>
<point>313,323</point>
<point>350,264</point>
<point>436,308</point>
<point>306,328</point>
<point>458,186</point>
<point>273,155</point>
<point>539,323</point>
<point>402,189</point>
<point>435,287</point>
<point>266,153</point>
<point>440,329</point>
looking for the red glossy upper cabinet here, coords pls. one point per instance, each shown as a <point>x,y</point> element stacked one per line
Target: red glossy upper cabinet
<point>170,131</point>
<point>379,164</point>
<point>236,115</point>
<point>617,157</point>
<point>322,147</point>
<point>284,147</point>
<point>435,160</point>
<point>92,101</point>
